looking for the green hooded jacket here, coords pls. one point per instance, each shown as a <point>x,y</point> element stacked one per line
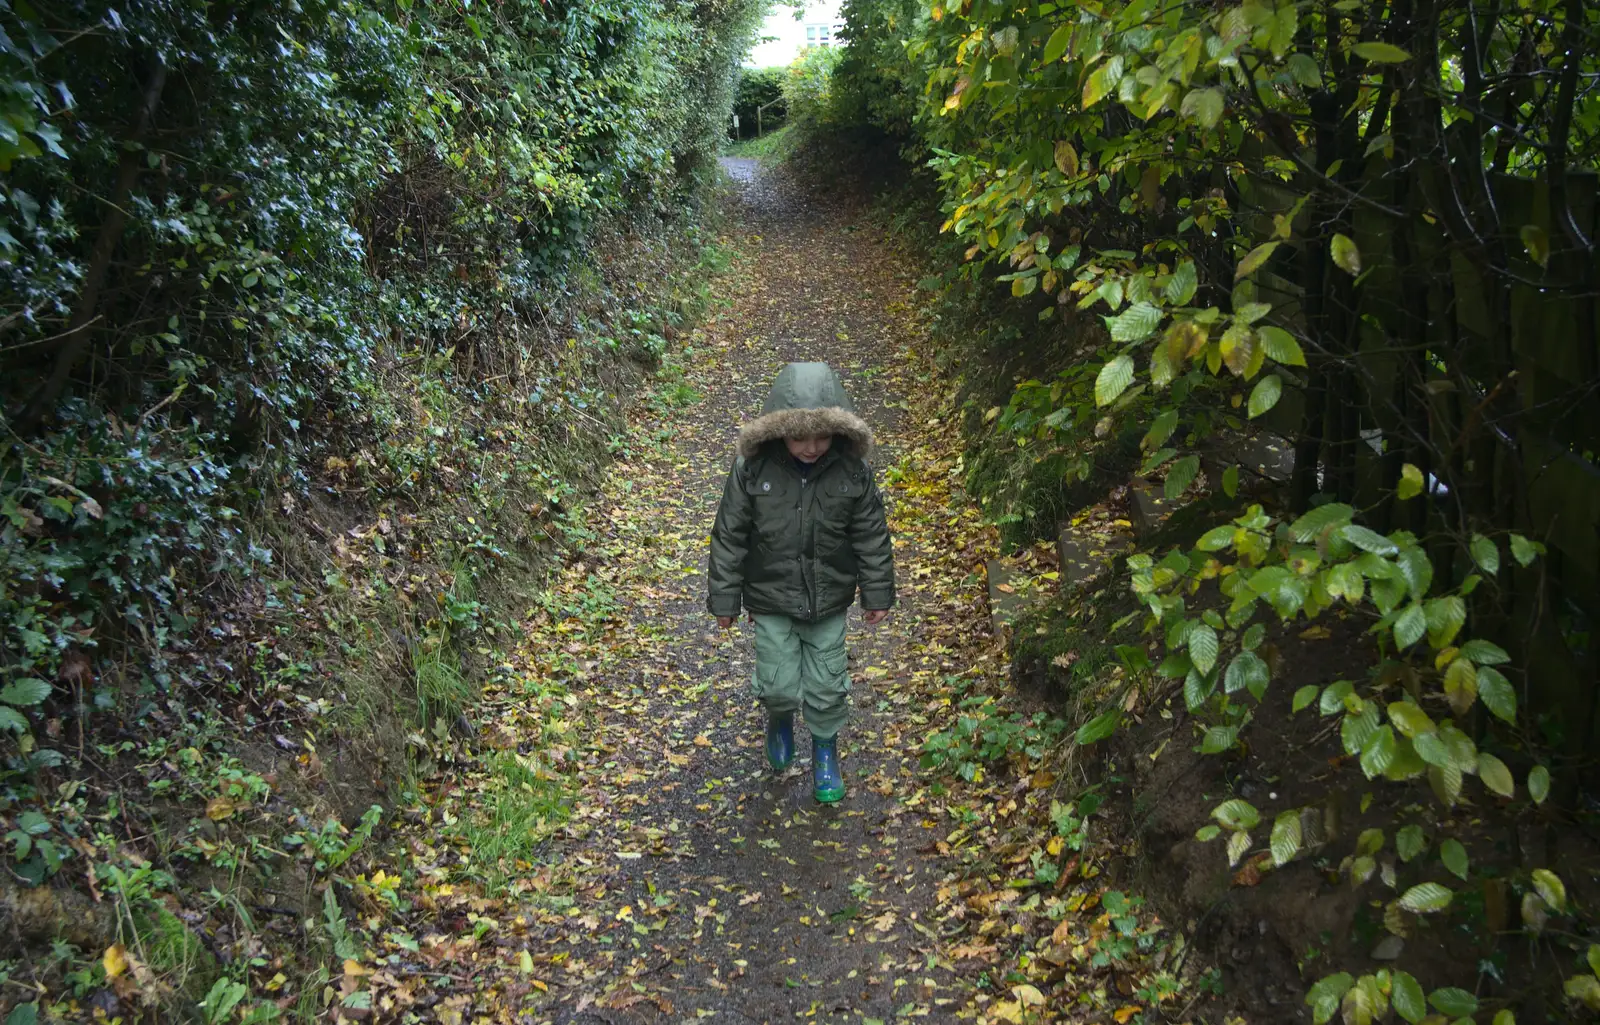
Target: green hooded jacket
<point>798,546</point>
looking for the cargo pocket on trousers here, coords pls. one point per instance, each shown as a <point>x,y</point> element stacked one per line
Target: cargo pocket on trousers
<point>837,666</point>
<point>761,682</point>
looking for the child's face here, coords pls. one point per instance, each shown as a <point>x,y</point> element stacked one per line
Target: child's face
<point>809,450</point>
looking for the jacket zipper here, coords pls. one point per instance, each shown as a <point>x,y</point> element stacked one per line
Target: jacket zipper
<point>804,565</point>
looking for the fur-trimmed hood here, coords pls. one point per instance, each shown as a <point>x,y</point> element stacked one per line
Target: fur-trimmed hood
<point>806,400</point>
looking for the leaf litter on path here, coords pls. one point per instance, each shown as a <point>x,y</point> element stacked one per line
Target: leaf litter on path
<point>617,848</point>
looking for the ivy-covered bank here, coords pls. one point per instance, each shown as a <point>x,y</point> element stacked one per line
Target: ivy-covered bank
<point>315,319</point>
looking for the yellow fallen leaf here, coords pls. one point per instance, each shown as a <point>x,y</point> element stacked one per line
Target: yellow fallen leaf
<point>1028,996</point>
<point>1053,848</point>
<point>219,808</point>
<point>354,970</point>
<point>1122,1014</point>
<point>702,741</point>
<point>115,960</point>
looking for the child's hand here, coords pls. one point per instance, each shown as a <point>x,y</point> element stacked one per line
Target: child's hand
<point>726,622</point>
<point>876,616</point>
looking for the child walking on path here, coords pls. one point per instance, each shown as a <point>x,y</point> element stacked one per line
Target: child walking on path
<point>800,530</point>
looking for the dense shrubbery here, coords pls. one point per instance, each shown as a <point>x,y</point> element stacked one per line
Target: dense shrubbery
<point>1358,225</point>
<point>223,231</point>
<point>304,306</point>
<point>808,87</point>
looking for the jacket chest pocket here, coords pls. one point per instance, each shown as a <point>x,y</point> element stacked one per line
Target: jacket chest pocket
<point>836,504</point>
<point>775,515</point>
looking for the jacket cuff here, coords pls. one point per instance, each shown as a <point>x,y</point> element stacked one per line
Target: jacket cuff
<point>877,599</point>
<point>724,604</point>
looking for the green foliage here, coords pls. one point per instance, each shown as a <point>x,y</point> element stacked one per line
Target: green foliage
<point>404,173</point>
<point>808,87</point>
<point>764,88</point>
<point>1216,185</point>
<point>985,733</point>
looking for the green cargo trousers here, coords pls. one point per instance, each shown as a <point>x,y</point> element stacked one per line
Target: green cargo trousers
<point>804,665</point>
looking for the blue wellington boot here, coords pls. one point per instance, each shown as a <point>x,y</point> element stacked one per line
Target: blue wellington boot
<point>780,740</point>
<point>827,783</point>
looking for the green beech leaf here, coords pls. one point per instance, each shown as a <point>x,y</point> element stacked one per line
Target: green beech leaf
<point>1410,483</point>
<point>1099,728</point>
<point>1304,696</point>
<point>1551,888</point>
<point>1113,380</point>
<point>1203,647</point>
<point>1454,857</point>
<point>1203,106</point>
<point>1180,475</point>
<point>1485,554</point>
<point>1230,481</point>
<point>1303,68</point>
<point>1409,842</point>
<point>1286,837</point>
<point>1539,784</point>
<point>1497,694</point>
<point>1265,395</point>
<point>1456,1003</point>
<point>1410,626</point>
<point>1379,752</point>
<point>1324,997</point>
<point>1254,259</point>
<point>1133,324</point>
<point>1101,81</point>
<point>1182,285</point>
<point>1536,241</point>
<point>1368,540</point>
<point>1247,671</point>
<point>1205,834</point>
<point>1495,775</point>
<point>1237,814</point>
<point>1308,527</point>
<point>1345,254</point>
<point>1380,53</point>
<point>1334,695</point>
<point>1238,846</point>
<point>1525,551</point>
<point>1057,43</point>
<point>1281,346</point>
<point>1406,995</point>
<point>1484,653</point>
<point>1219,739</point>
<point>1426,898</point>
<point>1410,719</point>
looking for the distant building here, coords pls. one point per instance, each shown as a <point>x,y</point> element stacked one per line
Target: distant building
<point>783,35</point>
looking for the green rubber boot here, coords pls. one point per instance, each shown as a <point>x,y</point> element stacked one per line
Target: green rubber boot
<point>827,783</point>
